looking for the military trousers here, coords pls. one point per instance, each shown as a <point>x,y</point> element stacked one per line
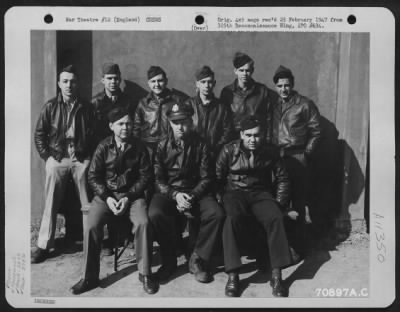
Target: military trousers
<point>240,205</point>
<point>99,215</point>
<point>58,174</point>
<point>164,215</point>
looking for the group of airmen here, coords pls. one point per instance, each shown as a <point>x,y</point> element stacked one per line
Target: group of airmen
<point>217,161</point>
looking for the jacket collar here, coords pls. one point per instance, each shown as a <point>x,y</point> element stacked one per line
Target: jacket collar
<point>166,95</point>
<point>188,141</point>
<point>239,148</point>
<point>60,100</point>
<point>113,144</point>
<point>104,95</point>
<point>199,102</point>
<point>292,101</point>
<point>250,90</point>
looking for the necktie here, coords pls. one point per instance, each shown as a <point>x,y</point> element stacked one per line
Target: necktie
<point>251,159</point>
<point>113,99</point>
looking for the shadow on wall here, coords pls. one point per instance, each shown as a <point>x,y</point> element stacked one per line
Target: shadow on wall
<point>134,91</point>
<point>337,181</point>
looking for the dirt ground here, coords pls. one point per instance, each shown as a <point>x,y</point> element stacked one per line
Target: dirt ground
<point>328,265</point>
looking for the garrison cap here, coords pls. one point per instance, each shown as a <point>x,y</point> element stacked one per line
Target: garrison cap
<point>117,113</point>
<point>69,69</point>
<point>249,122</point>
<point>241,59</point>
<point>155,71</point>
<point>179,111</point>
<point>111,69</point>
<point>283,72</point>
<point>204,72</point>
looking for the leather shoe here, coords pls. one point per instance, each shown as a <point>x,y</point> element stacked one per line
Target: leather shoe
<point>278,290</point>
<point>165,271</point>
<point>84,285</point>
<point>232,285</point>
<point>150,286</point>
<point>198,268</point>
<point>39,255</point>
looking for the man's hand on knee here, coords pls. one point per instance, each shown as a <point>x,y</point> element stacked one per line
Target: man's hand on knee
<point>112,204</point>
<point>183,201</point>
<point>122,205</point>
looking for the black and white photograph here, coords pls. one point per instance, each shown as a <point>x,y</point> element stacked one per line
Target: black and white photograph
<point>228,155</point>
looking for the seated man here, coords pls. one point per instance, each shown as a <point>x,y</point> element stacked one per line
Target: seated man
<point>245,170</point>
<point>183,177</point>
<point>118,174</point>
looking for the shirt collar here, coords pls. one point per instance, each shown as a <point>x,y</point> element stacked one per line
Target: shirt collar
<point>200,102</point>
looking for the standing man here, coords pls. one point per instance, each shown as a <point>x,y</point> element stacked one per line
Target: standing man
<point>103,102</point>
<point>108,99</point>
<point>183,177</point>
<point>212,120</point>
<point>119,173</point>
<point>247,97</point>
<point>296,130</point>
<point>63,138</point>
<point>151,123</point>
<point>247,174</point>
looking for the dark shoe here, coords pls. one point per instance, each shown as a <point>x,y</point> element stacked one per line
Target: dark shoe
<point>197,267</point>
<point>232,285</point>
<point>39,255</point>
<point>165,271</point>
<point>150,286</point>
<point>278,290</point>
<point>84,285</point>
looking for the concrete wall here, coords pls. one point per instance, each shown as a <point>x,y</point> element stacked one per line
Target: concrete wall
<point>43,87</point>
<point>328,68</point>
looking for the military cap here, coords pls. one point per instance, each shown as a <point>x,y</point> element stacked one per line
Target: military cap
<point>204,72</point>
<point>283,72</point>
<point>117,113</point>
<point>69,69</point>
<point>155,71</point>
<point>241,59</point>
<point>111,69</point>
<point>249,122</point>
<point>179,112</point>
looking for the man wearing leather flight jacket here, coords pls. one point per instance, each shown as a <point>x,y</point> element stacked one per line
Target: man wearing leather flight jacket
<point>297,132</point>
<point>252,181</point>
<point>150,121</point>
<point>63,138</point>
<point>119,173</point>
<point>183,178</point>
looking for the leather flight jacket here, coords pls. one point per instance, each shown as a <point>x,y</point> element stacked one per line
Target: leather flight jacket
<point>183,169</point>
<point>235,172</point>
<point>50,138</point>
<point>128,171</point>
<point>150,123</point>
<point>296,125</point>
<point>213,122</point>
<point>256,101</point>
<point>102,105</point>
